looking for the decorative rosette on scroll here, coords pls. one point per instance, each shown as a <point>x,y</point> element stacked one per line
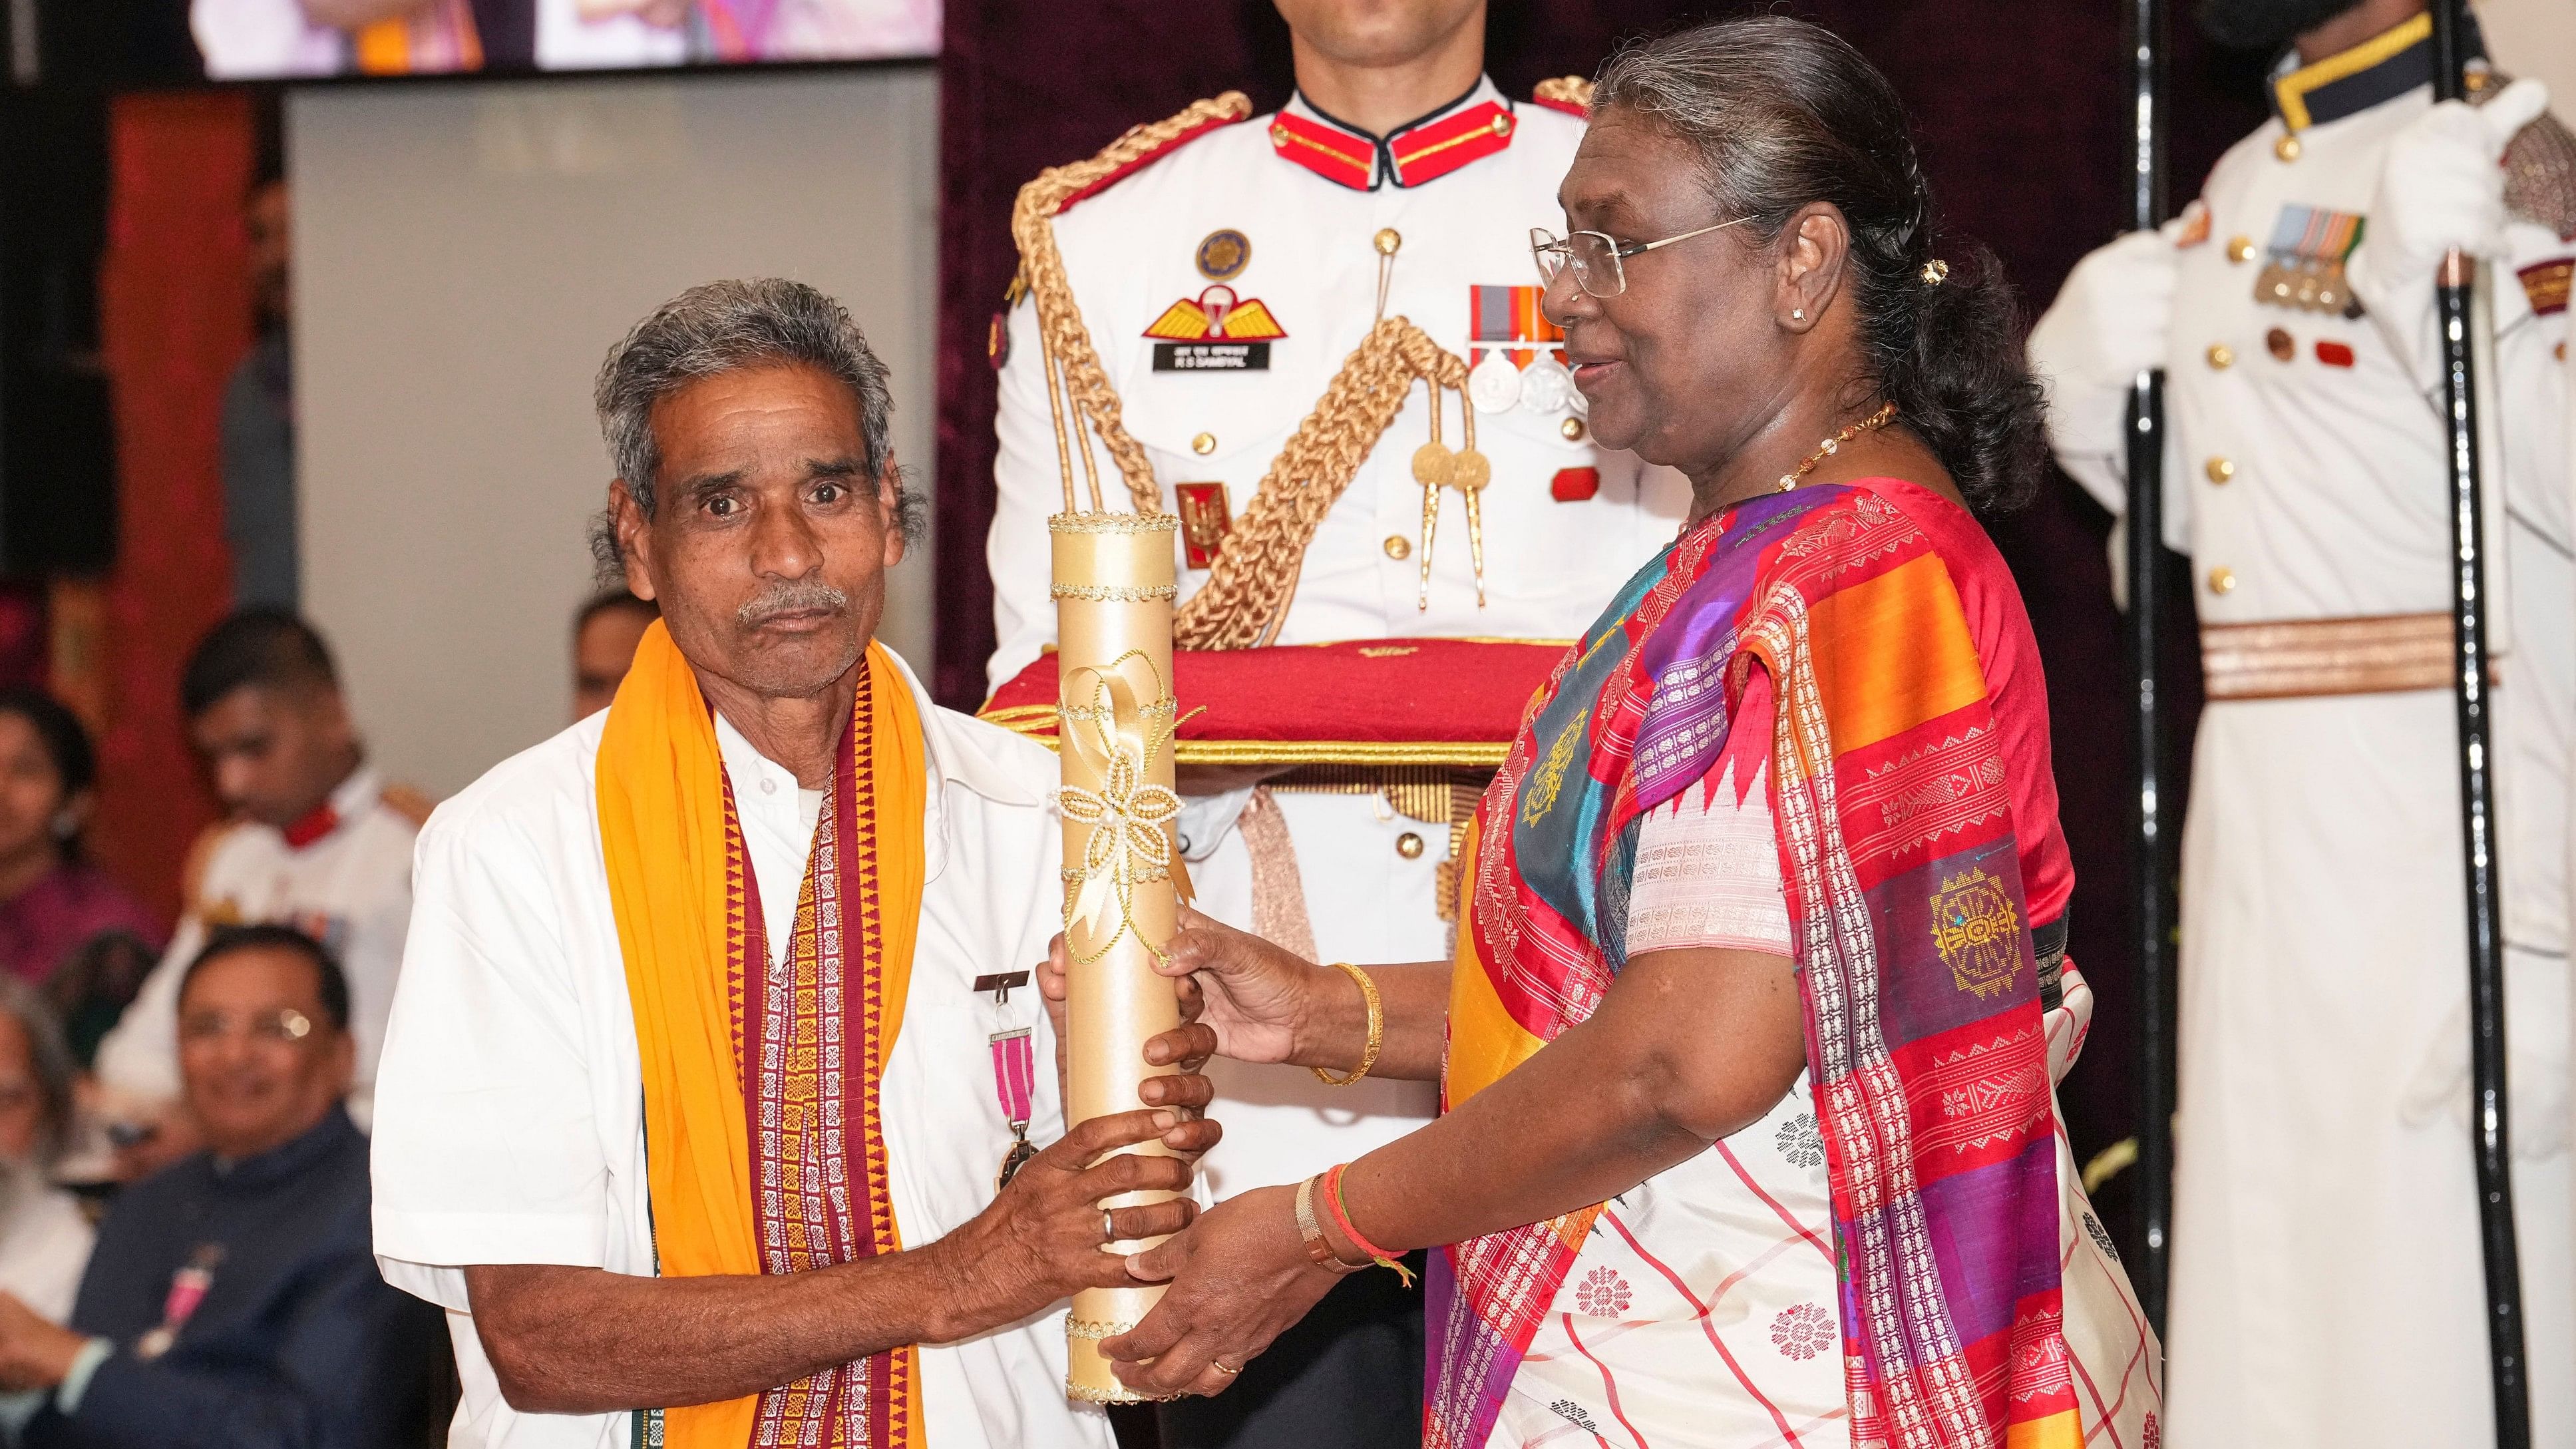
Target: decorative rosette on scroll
<point>1127,724</point>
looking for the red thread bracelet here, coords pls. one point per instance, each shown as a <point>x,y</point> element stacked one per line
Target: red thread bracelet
<point>1342,1220</point>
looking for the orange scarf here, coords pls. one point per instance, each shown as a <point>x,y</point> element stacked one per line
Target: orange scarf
<point>664,831</point>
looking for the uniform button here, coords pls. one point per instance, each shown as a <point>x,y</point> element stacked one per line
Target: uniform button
<point>1388,241</point>
<point>2287,148</point>
<point>1398,546</point>
<point>2222,581</point>
<point>2219,470</point>
<point>2221,356</point>
<point>1409,845</point>
<point>1572,428</point>
<point>2240,249</point>
<point>1203,444</point>
<point>768,786</point>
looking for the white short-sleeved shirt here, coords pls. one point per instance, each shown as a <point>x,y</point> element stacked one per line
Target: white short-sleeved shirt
<point>509,1118</point>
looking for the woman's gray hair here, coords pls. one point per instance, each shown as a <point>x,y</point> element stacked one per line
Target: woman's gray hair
<point>724,327</point>
<point>1782,114</point>
<point>48,1057</point>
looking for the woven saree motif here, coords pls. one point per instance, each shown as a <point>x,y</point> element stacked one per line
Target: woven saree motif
<point>810,1039</point>
<point>1922,1012</point>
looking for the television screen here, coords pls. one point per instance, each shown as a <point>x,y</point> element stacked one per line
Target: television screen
<point>303,39</point>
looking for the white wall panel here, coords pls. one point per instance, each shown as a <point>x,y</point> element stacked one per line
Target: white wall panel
<point>465,256</point>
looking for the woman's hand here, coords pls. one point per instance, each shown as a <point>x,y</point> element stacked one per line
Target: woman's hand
<point>1239,1278</point>
<point>1241,997</point>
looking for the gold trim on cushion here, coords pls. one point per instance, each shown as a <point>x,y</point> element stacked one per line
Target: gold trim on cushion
<point>2302,658</point>
<point>1475,754</point>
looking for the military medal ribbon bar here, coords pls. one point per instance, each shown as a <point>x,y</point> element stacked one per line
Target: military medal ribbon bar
<point>2303,263</point>
<point>1015,1087</point>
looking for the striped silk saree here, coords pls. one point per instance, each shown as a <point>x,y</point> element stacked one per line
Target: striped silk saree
<point>1924,1035</point>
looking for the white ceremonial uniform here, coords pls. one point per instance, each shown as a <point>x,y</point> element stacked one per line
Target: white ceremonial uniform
<point>1309,260</point>
<point>347,884</point>
<point>2326,1276</point>
<point>510,1128</point>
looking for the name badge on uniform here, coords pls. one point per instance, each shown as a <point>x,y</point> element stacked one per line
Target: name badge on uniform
<point>1015,1086</point>
<point>1214,332</point>
<point>2303,263</point>
<point>1502,378</point>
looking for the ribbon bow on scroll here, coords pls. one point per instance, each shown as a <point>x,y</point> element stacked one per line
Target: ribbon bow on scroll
<point>1119,733</point>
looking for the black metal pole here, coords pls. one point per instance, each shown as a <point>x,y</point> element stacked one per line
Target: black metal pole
<point>2454,297</point>
<point>2149,875</point>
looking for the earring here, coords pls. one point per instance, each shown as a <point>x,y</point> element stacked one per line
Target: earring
<point>1797,314</point>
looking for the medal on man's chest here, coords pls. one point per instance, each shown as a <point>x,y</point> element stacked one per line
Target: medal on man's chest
<point>188,1288</point>
<point>1015,1087</point>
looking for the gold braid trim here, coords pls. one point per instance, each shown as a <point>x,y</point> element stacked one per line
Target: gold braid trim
<point>1255,576</point>
<point>1064,341</point>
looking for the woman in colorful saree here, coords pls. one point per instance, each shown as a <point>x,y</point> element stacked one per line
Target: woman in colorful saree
<point>1748,1047</point>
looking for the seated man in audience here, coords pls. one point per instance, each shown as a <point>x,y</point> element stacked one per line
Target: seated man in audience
<point>604,636</point>
<point>232,1299</point>
<point>316,841</point>
<point>646,947</point>
<point>44,1239</point>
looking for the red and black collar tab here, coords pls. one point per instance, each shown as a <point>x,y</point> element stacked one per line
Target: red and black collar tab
<point>1474,126</point>
<point>2382,68</point>
<point>311,826</point>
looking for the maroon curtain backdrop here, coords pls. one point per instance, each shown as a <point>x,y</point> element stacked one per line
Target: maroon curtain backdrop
<point>175,316</point>
<point>2023,112</point>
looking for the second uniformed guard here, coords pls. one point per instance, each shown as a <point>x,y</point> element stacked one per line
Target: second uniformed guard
<point>2326,1284</point>
<point>1316,337</point>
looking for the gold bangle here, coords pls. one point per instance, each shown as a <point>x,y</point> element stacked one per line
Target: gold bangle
<point>1376,1029</point>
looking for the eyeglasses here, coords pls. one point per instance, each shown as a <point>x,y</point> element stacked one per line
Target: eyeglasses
<point>1596,258</point>
<point>278,1028</point>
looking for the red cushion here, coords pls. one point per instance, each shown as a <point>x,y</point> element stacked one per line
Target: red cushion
<point>1370,701</point>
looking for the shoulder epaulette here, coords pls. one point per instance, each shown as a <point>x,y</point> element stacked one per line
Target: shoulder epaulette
<point>1144,145</point>
<point>192,870</point>
<point>411,804</point>
<point>1571,94</point>
<point>2539,164</point>
<point>1033,213</point>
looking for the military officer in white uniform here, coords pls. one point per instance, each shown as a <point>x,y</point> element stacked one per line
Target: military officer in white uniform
<point>317,841</point>
<point>2326,1280</point>
<point>1399,181</point>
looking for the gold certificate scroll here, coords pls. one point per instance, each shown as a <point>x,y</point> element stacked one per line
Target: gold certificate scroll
<point>1114,586</point>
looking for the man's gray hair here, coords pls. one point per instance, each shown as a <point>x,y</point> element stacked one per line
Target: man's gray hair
<point>49,1059</point>
<point>724,327</point>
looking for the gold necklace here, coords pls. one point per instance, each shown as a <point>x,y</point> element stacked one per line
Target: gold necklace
<point>1886,414</point>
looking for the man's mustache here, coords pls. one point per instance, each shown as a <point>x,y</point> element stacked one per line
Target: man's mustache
<point>791,596</point>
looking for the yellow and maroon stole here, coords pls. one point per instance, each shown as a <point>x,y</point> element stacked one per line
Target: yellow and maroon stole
<point>764,1148</point>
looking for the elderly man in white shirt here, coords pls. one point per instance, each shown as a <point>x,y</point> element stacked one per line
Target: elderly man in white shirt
<point>707,1049</point>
